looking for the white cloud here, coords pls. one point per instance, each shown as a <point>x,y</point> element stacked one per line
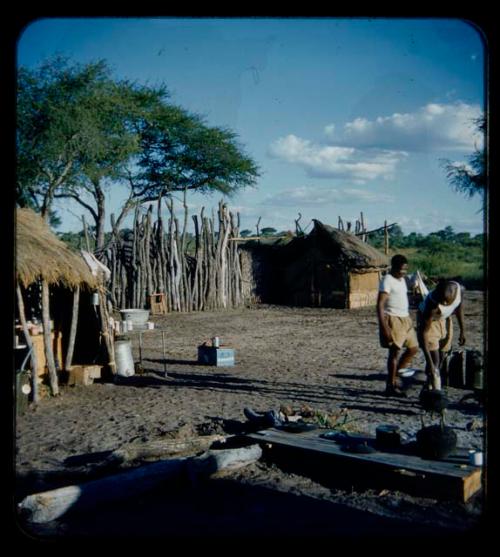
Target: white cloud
<point>433,127</point>
<point>364,149</point>
<point>307,196</point>
<point>327,161</point>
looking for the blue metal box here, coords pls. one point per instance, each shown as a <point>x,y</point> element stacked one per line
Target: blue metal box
<point>212,356</point>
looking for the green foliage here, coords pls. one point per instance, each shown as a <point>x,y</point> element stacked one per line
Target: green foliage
<point>245,233</point>
<point>469,178</point>
<point>268,231</point>
<point>54,125</point>
<point>340,421</point>
<point>441,254</point>
<point>80,130</point>
<point>75,240</point>
<point>180,152</point>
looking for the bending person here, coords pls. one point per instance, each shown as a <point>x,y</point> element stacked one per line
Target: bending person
<point>435,327</point>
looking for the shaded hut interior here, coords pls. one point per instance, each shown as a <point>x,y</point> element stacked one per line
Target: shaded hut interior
<point>40,254</point>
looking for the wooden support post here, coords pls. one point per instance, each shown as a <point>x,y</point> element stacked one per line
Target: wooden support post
<point>386,238</point>
<point>164,355</point>
<point>72,333</point>
<point>86,234</point>
<point>47,340</point>
<point>106,331</point>
<point>29,343</point>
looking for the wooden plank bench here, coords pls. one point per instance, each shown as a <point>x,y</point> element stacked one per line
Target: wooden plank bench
<point>450,478</point>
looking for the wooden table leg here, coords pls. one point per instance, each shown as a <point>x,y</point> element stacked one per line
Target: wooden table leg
<point>164,355</point>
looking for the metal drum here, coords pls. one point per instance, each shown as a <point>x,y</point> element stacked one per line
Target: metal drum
<point>387,437</point>
<point>123,357</point>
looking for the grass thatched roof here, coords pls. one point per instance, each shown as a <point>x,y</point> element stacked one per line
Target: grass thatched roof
<point>347,248</point>
<point>40,253</point>
<point>355,253</point>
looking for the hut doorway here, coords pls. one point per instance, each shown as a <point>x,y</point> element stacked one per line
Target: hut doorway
<point>329,285</point>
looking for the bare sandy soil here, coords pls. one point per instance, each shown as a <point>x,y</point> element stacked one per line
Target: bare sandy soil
<point>327,359</point>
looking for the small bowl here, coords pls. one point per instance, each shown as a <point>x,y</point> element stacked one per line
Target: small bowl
<point>406,372</point>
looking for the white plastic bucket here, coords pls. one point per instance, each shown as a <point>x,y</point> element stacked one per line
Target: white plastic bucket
<point>123,357</point>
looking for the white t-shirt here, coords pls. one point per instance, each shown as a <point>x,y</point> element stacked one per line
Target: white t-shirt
<point>445,311</point>
<point>397,302</point>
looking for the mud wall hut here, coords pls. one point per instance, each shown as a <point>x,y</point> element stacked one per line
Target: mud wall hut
<point>262,263</point>
<point>326,268</point>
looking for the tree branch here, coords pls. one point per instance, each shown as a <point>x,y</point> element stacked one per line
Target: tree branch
<point>78,200</point>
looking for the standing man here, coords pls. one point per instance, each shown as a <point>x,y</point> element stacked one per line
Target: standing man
<point>395,324</point>
<point>435,327</point>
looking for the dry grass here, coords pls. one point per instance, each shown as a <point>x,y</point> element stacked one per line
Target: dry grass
<point>351,249</point>
<point>40,254</point>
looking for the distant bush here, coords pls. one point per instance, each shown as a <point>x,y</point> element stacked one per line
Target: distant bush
<point>440,254</point>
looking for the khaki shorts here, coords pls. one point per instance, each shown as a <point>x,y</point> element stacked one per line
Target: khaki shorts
<point>403,332</point>
<point>440,335</point>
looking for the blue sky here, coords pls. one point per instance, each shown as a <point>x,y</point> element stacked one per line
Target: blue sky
<point>341,115</point>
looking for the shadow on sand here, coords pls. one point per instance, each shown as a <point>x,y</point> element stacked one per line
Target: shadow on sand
<point>224,508</point>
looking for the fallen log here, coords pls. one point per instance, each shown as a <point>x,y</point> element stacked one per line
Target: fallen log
<point>226,460</point>
<point>162,448</point>
<point>49,505</point>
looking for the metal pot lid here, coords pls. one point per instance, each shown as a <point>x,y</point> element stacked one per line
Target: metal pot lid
<point>387,428</point>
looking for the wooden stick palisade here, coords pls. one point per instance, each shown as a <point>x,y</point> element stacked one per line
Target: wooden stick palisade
<point>155,259</point>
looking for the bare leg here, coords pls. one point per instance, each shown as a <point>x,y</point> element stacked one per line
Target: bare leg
<point>392,366</point>
<point>407,357</point>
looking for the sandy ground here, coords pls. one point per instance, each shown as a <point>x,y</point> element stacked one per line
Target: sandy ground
<point>327,359</point>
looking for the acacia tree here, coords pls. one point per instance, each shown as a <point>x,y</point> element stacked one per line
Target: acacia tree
<point>268,231</point>
<point>113,111</point>
<point>50,132</point>
<point>75,134</point>
<point>469,178</point>
<point>80,132</point>
<point>179,152</point>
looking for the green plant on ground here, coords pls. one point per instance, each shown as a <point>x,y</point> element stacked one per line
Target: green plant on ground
<point>338,420</point>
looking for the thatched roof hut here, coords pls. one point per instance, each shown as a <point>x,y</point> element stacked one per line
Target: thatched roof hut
<point>54,284</point>
<point>41,254</point>
<point>328,268</point>
<point>349,249</point>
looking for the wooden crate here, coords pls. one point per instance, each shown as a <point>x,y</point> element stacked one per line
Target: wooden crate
<point>38,347</point>
<point>451,478</point>
<point>83,374</point>
<point>157,304</point>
